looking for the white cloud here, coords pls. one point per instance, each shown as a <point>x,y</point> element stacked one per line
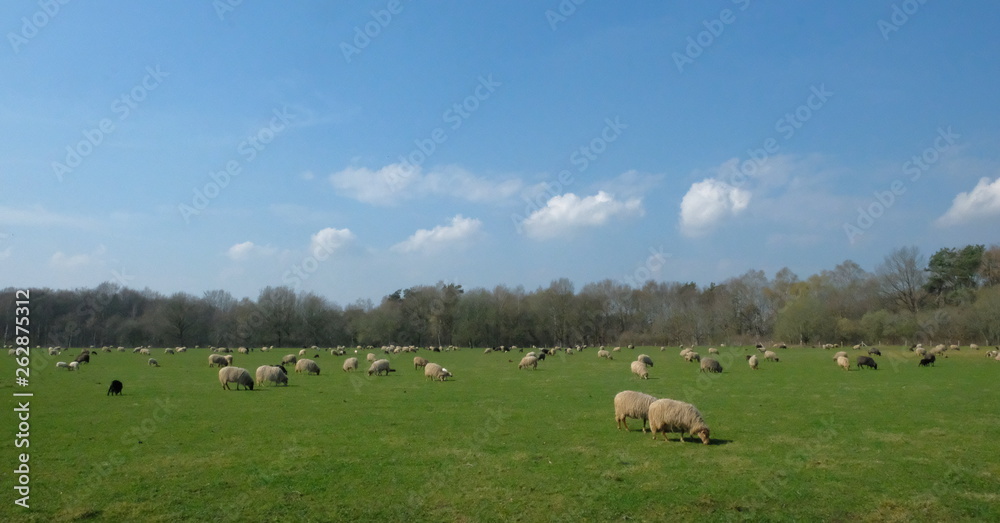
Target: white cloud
<point>61,260</point>
<point>397,182</point>
<point>243,251</point>
<point>567,212</point>
<point>982,202</point>
<point>707,203</point>
<point>428,239</point>
<point>328,240</point>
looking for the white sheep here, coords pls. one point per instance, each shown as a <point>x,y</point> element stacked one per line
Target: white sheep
<point>272,373</point>
<point>669,415</point>
<point>350,364</point>
<point>639,369</point>
<point>302,353</point>
<point>528,361</point>
<point>713,350</point>
<point>752,361</point>
<point>692,356</point>
<point>153,363</point>
<point>380,366</point>
<point>632,404</point>
<point>973,346</point>
<point>645,359</point>
<point>144,352</point>
<point>604,354</point>
<point>844,363</point>
<point>217,359</point>
<point>168,350</point>
<point>289,359</point>
<point>771,355</point>
<point>64,365</point>
<point>307,366</point>
<point>436,372</point>
<point>237,375</point>
<point>74,365</point>
<point>839,354</point>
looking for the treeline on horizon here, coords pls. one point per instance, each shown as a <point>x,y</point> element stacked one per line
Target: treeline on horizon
<point>952,297</point>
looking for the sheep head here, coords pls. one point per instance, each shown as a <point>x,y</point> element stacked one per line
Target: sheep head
<point>703,434</point>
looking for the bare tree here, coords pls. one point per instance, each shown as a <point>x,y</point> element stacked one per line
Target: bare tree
<point>901,278</point>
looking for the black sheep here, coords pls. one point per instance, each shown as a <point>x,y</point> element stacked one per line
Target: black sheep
<point>865,361</point>
<point>84,357</point>
<point>927,360</point>
<point>115,389</point>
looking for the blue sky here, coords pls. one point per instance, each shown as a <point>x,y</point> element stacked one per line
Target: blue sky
<point>352,149</point>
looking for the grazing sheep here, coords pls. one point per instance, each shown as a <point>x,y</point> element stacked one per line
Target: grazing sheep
<point>645,359</point>
<point>115,389</point>
<point>632,404</point>
<point>350,364</point>
<point>920,351</point>
<point>74,365</point>
<point>419,362</point>
<point>844,363</point>
<point>144,352</point>
<point>168,351</point>
<point>380,366</point>
<point>616,349</point>
<point>973,346</point>
<point>243,350</point>
<point>528,361</point>
<point>710,365</point>
<point>436,372</point>
<point>237,375</point>
<point>771,355</point>
<point>692,356</point>
<point>991,354</point>
<point>217,359</point>
<point>604,354</point>
<point>273,373</point>
<point>62,365</point>
<point>927,360</point>
<point>866,361</point>
<point>289,359</point>
<point>307,366</point>
<point>841,354</point>
<point>874,352</point>
<point>713,350</point>
<point>639,369</point>
<point>84,357</point>
<point>153,363</point>
<point>752,361</point>
<point>669,415</point>
<point>371,356</point>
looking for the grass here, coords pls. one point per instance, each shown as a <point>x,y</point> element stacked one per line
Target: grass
<point>797,440</point>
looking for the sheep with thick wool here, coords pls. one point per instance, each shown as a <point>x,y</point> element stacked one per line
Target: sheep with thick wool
<point>839,354</point>
<point>632,404</point>
<point>639,369</point>
<point>153,363</point>
<point>844,363</point>
<point>380,366</point>
<point>289,359</point>
<point>770,355</point>
<point>528,362</point>
<point>436,372</point>
<point>308,366</point>
<point>419,362</point>
<point>667,415</point>
<point>645,359</point>
<point>217,359</point>
<point>752,361</point>
<point>350,364</point>
<point>274,373</point>
<point>711,365</point>
<point>604,354</point>
<point>237,375</point>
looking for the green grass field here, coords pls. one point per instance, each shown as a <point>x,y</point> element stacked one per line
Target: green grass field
<point>800,439</point>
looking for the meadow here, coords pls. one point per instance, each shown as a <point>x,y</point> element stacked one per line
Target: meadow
<point>799,439</point>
